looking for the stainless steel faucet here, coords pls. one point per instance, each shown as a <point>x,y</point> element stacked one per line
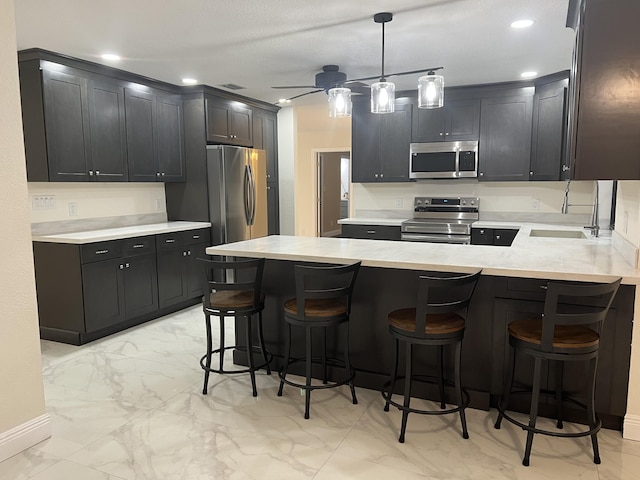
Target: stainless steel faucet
<point>595,219</point>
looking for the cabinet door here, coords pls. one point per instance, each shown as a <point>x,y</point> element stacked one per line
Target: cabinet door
<point>396,137</point>
<point>549,127</point>
<point>428,125</point>
<point>140,280</point>
<point>242,126</point>
<point>365,145</point>
<point>139,112</point>
<point>172,285</point>
<point>462,120</point>
<point>193,269</point>
<point>67,125</point>
<point>218,120</point>
<point>169,136</point>
<point>273,209</point>
<point>505,138</point>
<point>103,294</point>
<point>108,134</point>
<point>265,137</point>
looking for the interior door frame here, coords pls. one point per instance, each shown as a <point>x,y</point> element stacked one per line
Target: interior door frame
<point>316,182</point>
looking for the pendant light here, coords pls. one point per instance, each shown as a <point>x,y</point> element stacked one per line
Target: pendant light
<point>383,93</point>
<point>431,91</point>
<point>339,102</point>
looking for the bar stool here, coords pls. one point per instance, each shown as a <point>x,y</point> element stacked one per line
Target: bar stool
<point>323,300</point>
<point>232,288</point>
<point>437,320</point>
<point>567,331</point>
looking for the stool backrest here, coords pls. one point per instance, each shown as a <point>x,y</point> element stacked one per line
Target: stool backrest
<point>231,273</point>
<point>589,304</point>
<point>442,293</point>
<point>324,283</point>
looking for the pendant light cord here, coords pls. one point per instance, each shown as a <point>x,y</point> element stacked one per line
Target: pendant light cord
<point>382,79</point>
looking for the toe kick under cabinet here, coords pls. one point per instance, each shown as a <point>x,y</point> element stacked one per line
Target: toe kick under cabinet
<point>88,291</point>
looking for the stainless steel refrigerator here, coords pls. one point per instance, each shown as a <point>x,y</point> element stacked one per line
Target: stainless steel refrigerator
<point>237,183</point>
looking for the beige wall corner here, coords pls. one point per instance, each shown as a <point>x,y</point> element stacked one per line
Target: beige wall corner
<point>22,398</point>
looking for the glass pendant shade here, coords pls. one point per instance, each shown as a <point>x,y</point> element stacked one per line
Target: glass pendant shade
<point>383,97</point>
<point>339,102</point>
<point>431,91</point>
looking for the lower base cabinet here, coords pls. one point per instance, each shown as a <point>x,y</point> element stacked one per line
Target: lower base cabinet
<point>372,232</point>
<point>92,290</point>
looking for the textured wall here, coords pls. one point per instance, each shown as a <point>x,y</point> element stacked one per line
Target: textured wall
<point>22,397</point>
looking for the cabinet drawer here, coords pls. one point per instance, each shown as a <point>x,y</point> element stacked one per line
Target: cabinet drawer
<point>504,236</point>
<point>167,241</point>
<point>482,236</point>
<point>202,235</point>
<point>138,246</point>
<point>374,232</point>
<point>95,252</point>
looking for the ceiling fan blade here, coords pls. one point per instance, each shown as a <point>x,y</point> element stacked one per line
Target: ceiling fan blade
<point>303,94</point>
<point>355,84</point>
<point>396,74</point>
<point>296,86</point>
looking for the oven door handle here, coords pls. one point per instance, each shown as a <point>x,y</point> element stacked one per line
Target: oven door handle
<point>458,239</point>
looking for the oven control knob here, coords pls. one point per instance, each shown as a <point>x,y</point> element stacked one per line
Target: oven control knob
<point>464,202</point>
<point>473,202</point>
<point>427,201</point>
<point>418,202</point>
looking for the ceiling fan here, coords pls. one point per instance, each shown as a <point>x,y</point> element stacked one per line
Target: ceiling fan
<point>331,76</point>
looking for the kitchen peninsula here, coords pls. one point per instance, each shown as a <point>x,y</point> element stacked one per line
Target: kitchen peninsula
<point>511,287</point>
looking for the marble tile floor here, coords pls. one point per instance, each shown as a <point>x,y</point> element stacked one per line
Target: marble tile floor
<point>130,407</point>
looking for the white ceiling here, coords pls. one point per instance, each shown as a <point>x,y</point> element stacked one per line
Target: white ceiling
<point>262,43</point>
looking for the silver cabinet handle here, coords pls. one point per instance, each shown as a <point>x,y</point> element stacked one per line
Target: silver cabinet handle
<point>371,232</point>
<point>441,134</point>
<point>530,173</point>
<point>170,240</point>
<point>157,174</point>
<point>184,254</point>
<point>97,172</point>
<point>90,173</point>
<point>482,174</point>
<point>127,265</point>
<point>446,134</point>
<point>188,253</point>
<point>566,168</point>
<point>121,266</point>
<point>195,237</point>
<point>376,175</point>
<point>162,174</point>
<point>139,245</point>
<point>497,237</point>
<point>381,175</point>
<point>101,252</point>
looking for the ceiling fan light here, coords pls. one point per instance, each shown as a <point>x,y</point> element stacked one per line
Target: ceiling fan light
<point>339,102</point>
<point>383,97</point>
<point>431,91</point>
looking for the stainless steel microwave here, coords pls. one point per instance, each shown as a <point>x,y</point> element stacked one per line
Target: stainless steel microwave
<point>443,160</point>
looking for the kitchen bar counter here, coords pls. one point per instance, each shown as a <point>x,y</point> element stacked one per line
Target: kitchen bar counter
<point>512,287</point>
<point>90,236</point>
<point>529,257</point>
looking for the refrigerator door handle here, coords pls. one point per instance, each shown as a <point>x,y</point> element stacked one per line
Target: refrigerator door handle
<point>252,186</point>
<point>247,194</point>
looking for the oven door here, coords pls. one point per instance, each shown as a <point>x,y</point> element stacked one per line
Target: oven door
<point>436,238</point>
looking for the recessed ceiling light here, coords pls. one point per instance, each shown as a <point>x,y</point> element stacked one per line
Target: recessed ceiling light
<point>110,56</point>
<point>528,74</point>
<point>521,23</point>
<point>189,81</point>
<point>284,100</point>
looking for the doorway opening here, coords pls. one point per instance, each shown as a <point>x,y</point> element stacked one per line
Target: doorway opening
<point>333,172</point>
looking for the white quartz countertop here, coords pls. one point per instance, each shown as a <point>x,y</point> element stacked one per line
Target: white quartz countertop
<point>393,222</point>
<point>90,236</point>
<point>529,257</point>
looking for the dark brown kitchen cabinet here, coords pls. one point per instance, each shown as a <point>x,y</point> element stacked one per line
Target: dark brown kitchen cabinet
<point>273,209</point>
<point>178,271</point>
<point>155,136</point>
<point>502,237</point>
<point>505,137</point>
<point>380,143</point>
<point>228,121</point>
<point>265,137</point>
<point>459,119</point>
<point>549,131</point>
<point>371,232</point>
<point>605,135</point>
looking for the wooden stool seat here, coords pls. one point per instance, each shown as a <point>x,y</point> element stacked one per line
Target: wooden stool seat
<point>437,324</point>
<point>565,336</point>
<point>317,307</point>
<point>233,299</point>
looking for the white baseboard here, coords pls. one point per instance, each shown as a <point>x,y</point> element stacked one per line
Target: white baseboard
<point>631,427</point>
<point>24,436</point>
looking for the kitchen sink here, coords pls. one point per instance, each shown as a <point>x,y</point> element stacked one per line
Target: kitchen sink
<point>558,234</point>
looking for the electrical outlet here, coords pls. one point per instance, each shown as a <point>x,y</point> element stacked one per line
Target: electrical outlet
<point>159,205</point>
<point>535,204</point>
<point>625,221</point>
<point>398,202</point>
<point>73,209</point>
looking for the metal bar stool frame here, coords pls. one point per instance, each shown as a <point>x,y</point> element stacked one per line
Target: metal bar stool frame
<point>422,332</point>
<point>319,306</point>
<point>544,343</point>
<point>227,296</point>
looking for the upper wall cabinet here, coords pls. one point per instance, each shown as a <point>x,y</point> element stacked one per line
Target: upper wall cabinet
<point>85,122</point>
<point>155,136</point>
<point>459,119</point>
<point>228,122</point>
<point>380,143</point>
<point>606,132</point>
<point>73,125</point>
